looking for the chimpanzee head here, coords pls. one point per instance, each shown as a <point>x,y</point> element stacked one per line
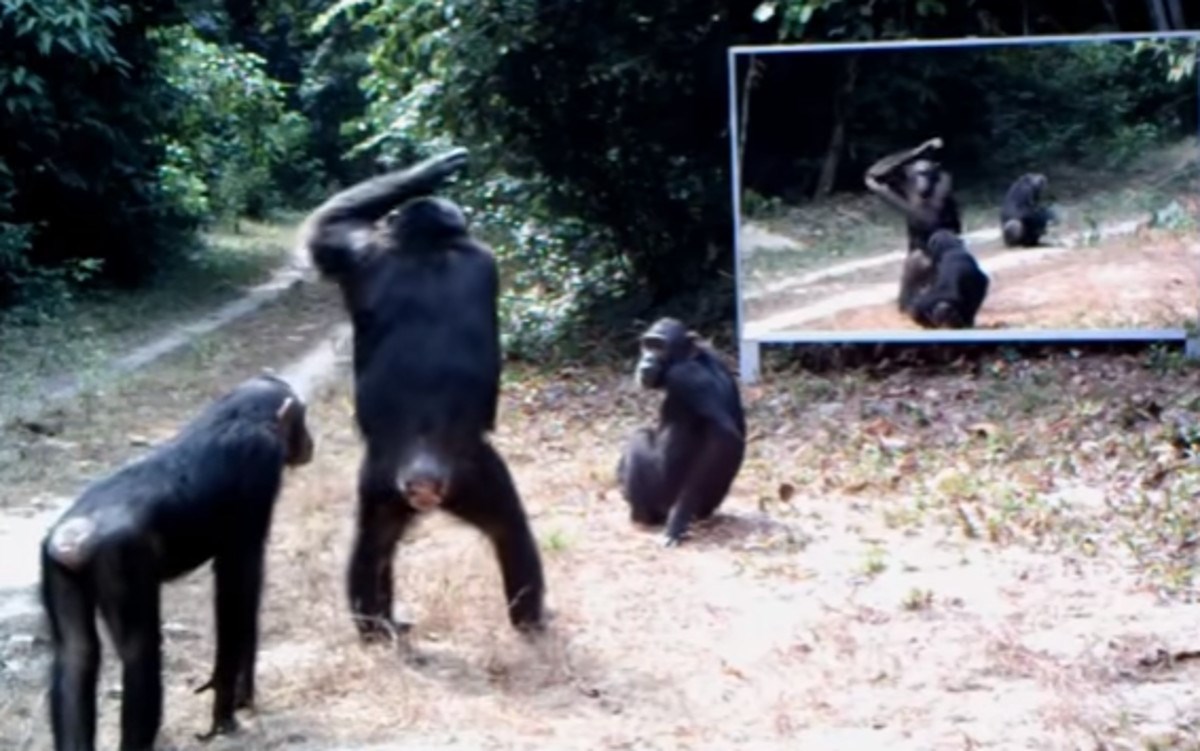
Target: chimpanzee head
<point>427,219</point>
<point>665,343</point>
<point>942,241</point>
<point>925,178</point>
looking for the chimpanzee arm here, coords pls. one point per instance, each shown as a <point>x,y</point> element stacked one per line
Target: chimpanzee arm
<point>339,230</point>
<point>482,276</point>
<point>239,575</point>
<point>879,172</point>
<point>884,167</point>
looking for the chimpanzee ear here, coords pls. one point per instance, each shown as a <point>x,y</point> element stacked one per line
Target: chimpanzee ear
<point>693,344</point>
<point>284,412</point>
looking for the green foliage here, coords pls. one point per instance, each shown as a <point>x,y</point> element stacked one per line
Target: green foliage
<point>78,146</point>
<point>851,20</point>
<point>550,273</point>
<point>609,117</point>
<point>230,128</point>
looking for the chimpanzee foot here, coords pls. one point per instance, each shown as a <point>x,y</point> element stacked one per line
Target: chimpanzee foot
<point>379,629</point>
<point>227,726</point>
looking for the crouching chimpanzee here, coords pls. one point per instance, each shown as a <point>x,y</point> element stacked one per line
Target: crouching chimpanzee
<point>422,295</point>
<point>682,469</point>
<point>208,494</point>
<point>958,288</point>
<point>921,190</point>
<point>1023,217</point>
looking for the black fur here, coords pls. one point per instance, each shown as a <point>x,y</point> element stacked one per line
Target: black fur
<point>1023,217</point>
<point>208,494</point>
<point>958,289</point>
<point>682,469</point>
<point>920,189</point>
<point>422,295</point>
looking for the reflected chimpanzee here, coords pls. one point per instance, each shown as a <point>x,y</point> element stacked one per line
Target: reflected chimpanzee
<point>958,288</point>
<point>920,189</point>
<point>1023,217</point>
<point>682,469</point>
<point>208,494</point>
<point>422,295</point>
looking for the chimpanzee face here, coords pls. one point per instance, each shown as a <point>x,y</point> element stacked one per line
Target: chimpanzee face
<point>923,177</point>
<point>666,342</point>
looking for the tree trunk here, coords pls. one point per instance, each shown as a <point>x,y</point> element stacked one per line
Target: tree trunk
<point>1175,15</point>
<point>1158,15</point>
<point>753,72</point>
<point>837,137</point>
<point>1111,13</point>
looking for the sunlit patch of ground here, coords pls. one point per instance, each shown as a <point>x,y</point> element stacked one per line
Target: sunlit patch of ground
<point>1124,283</point>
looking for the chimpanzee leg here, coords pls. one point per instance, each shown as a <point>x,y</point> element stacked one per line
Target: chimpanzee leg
<point>642,480</point>
<point>127,589</point>
<point>383,515</point>
<point>487,498</point>
<point>239,575</point>
<point>71,610</point>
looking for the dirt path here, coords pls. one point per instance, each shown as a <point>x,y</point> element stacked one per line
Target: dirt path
<point>68,386</point>
<point>1132,277</point>
<point>927,586</point>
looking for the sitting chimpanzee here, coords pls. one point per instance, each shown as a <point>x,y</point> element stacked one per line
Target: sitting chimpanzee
<point>920,189</point>
<point>208,494</point>
<point>682,469</point>
<point>422,295</point>
<point>1023,217</point>
<point>958,288</point>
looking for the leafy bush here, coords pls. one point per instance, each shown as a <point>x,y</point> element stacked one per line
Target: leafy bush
<point>598,130</point>
<point>79,139</point>
<point>230,129</point>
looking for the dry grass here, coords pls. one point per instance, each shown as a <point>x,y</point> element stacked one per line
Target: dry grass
<point>988,558</point>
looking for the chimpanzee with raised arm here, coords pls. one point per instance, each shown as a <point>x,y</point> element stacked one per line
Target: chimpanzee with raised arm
<point>922,190</point>
<point>422,295</point>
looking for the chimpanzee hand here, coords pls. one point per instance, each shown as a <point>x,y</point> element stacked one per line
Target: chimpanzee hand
<point>435,170</point>
<point>933,143</point>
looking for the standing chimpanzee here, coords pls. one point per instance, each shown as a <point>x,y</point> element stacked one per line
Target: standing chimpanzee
<point>208,494</point>
<point>921,190</point>
<point>422,295</point>
<point>682,469</point>
<point>958,288</point>
<point>1023,217</point>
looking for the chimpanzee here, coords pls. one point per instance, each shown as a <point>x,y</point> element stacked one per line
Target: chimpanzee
<point>921,190</point>
<point>1023,217</point>
<point>682,469</point>
<point>208,494</point>
<point>958,289</point>
<point>422,295</point>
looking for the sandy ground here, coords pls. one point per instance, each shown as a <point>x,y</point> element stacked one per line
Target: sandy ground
<point>1144,278</point>
<point>918,562</point>
<point>1124,283</point>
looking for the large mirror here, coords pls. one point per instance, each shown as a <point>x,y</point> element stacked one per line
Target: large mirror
<point>1031,188</point>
